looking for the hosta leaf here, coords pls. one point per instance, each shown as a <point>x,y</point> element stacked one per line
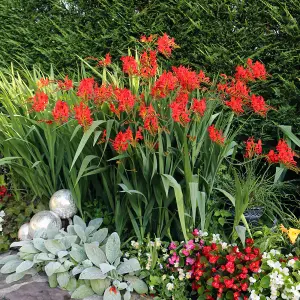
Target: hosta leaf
<point>129,266</point>
<point>96,223</point>
<point>99,236</point>
<point>100,285</point>
<point>71,286</point>
<point>24,266</point>
<point>78,253</point>
<point>52,281</point>
<point>95,254</point>
<point>52,267</point>
<point>78,221</point>
<point>137,284</point>
<point>7,258</point>
<point>80,232</point>
<point>112,248</point>
<point>63,279</point>
<point>29,249</point>
<point>38,243</point>
<point>20,244</point>
<point>10,266</point>
<point>82,292</point>
<point>63,253</point>
<point>112,293</point>
<point>14,277</point>
<point>89,230</point>
<point>105,268</point>
<point>92,273</point>
<point>54,246</point>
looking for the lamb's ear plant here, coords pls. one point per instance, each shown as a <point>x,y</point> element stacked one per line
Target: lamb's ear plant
<point>83,260</point>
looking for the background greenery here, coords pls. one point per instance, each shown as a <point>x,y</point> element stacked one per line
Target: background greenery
<point>213,34</point>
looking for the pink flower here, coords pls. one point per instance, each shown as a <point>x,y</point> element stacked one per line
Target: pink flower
<point>185,252</point>
<point>172,246</point>
<point>190,245</point>
<point>174,259</point>
<point>189,261</point>
<point>196,232</point>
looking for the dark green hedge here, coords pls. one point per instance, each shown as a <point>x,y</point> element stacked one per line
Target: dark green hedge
<point>213,34</point>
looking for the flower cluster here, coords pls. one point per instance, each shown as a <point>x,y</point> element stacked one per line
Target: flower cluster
<point>39,101</point>
<point>253,148</point>
<point>124,139</point>
<point>3,192</point>
<point>279,277</point>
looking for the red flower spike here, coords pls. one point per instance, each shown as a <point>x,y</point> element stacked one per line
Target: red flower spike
<point>130,65</point>
<point>180,113</point>
<point>43,82</point>
<point>60,112</point>
<point>83,115</point>
<point>259,105</point>
<point>65,85</point>
<point>145,39</point>
<point>103,94</point>
<point>166,83</point>
<point>86,88</point>
<point>253,148</point>
<point>215,135</point>
<point>199,106</point>
<point>125,99</point>
<point>148,67</point>
<point>165,45</point>
<point>39,101</point>
<point>188,80</point>
<point>106,61</point>
<point>236,104</point>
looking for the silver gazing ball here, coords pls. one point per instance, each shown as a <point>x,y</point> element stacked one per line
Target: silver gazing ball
<point>42,220</point>
<point>23,233</point>
<point>62,203</point>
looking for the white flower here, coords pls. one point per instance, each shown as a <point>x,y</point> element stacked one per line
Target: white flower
<point>157,242</point>
<point>164,277</point>
<point>135,244</point>
<point>181,277</point>
<point>266,255</point>
<point>252,279</point>
<point>127,254</point>
<point>188,275</point>
<point>151,287</point>
<point>172,277</point>
<point>254,296</point>
<point>2,213</point>
<point>202,233</point>
<point>165,256</point>
<point>170,286</point>
<point>216,238</point>
<point>286,271</point>
<point>1,228</point>
<point>291,262</point>
<point>224,245</point>
<point>176,265</point>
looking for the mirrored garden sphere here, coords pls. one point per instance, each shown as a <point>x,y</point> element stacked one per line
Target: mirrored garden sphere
<point>23,233</point>
<point>42,220</point>
<point>62,203</point>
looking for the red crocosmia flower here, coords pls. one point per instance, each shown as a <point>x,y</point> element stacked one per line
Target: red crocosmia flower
<point>236,104</point>
<point>179,109</point>
<point>65,85</point>
<point>145,39</point>
<point>165,45</point>
<point>259,105</point>
<point>166,83</point>
<point>203,78</point>
<point>39,101</point>
<point>113,289</point>
<point>199,106</point>
<point>285,155</point>
<point>106,61</point>
<point>123,140</point>
<point>148,63</point>
<point>60,112</point>
<point>215,135</point>
<point>43,82</point>
<point>251,72</point>
<point>86,88</point>
<point>103,94</point>
<point>125,100</point>
<point>150,118</point>
<point>253,148</point>
<point>189,80</point>
<point>130,65</point>
<point>83,115</point>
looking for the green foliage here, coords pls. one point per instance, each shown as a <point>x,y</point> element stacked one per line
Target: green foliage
<point>17,212</point>
<point>213,34</point>
<point>82,260</point>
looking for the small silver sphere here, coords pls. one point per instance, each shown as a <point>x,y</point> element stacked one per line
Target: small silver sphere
<point>62,203</point>
<point>23,233</point>
<point>42,220</point>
